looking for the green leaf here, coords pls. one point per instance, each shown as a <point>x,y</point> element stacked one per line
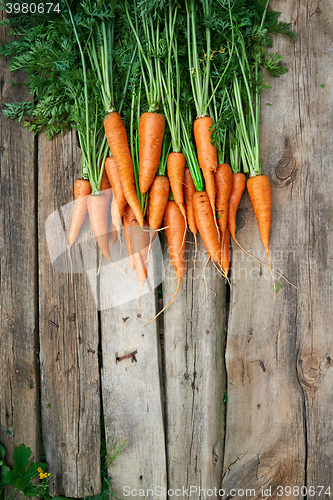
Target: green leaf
<point>21,484</point>
<point>21,458</point>
<point>4,471</point>
<point>10,478</point>
<point>30,490</point>
<point>322,85</point>
<point>2,452</point>
<point>9,432</point>
<point>33,469</point>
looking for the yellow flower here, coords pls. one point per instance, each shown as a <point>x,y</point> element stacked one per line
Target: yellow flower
<point>42,474</point>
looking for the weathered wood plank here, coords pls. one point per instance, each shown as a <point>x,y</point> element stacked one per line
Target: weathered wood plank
<point>132,398</point>
<point>311,146</point>
<point>69,336</point>
<point>194,341</point>
<point>290,401</point>
<point>19,393</point>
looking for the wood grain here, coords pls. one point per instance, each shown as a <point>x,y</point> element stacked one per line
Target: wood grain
<point>194,341</point>
<point>131,387</point>
<point>70,389</point>
<point>278,352</point>
<point>19,381</point>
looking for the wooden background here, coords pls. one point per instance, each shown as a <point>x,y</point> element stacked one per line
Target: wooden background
<point>58,366</point>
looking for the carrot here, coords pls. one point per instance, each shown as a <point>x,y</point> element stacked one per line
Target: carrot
<point>238,186</point>
<point>128,216</point>
<point>175,229</point>
<point>259,189</point>
<point>106,183</point>
<point>158,199</point>
<point>82,189</point>
<point>223,182</point>
<point>207,154</point>
<point>226,252</point>
<point>98,208</point>
<point>176,173</point>
<point>151,133</point>
<point>119,201</point>
<point>189,190</point>
<point>117,140</point>
<point>211,190</point>
<point>139,244</point>
<point>205,221</point>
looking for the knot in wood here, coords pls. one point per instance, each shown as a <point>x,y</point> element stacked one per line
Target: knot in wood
<point>283,171</point>
<point>309,370</point>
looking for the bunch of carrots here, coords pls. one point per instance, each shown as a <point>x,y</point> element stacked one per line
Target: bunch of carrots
<point>168,121</point>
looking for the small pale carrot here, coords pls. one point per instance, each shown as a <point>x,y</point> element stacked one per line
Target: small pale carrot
<point>128,216</point>
<point>119,201</point>
<point>82,190</point>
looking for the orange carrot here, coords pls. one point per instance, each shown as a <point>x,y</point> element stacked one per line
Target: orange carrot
<point>139,244</point>
<point>259,189</point>
<point>82,189</point>
<point>226,252</point>
<point>189,190</point>
<point>128,216</point>
<point>175,229</point>
<point>158,199</point>
<point>223,183</point>
<point>117,140</point>
<point>238,186</point>
<point>119,201</point>
<point>176,173</point>
<point>211,190</point>
<point>207,154</point>
<point>151,133</point>
<point>205,221</point>
<point>98,208</point>
<point>106,183</point>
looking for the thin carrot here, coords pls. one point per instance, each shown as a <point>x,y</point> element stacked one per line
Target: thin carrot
<point>259,189</point>
<point>176,173</point>
<point>226,252</point>
<point>98,208</point>
<point>106,183</point>
<point>238,186</point>
<point>205,221</point>
<point>151,133</point>
<point>223,183</point>
<point>207,153</point>
<point>128,216</point>
<point>158,199</point>
<point>211,191</point>
<point>139,244</point>
<point>119,201</point>
<point>175,228</point>
<point>82,189</point>
<point>189,190</point>
<point>117,140</point>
